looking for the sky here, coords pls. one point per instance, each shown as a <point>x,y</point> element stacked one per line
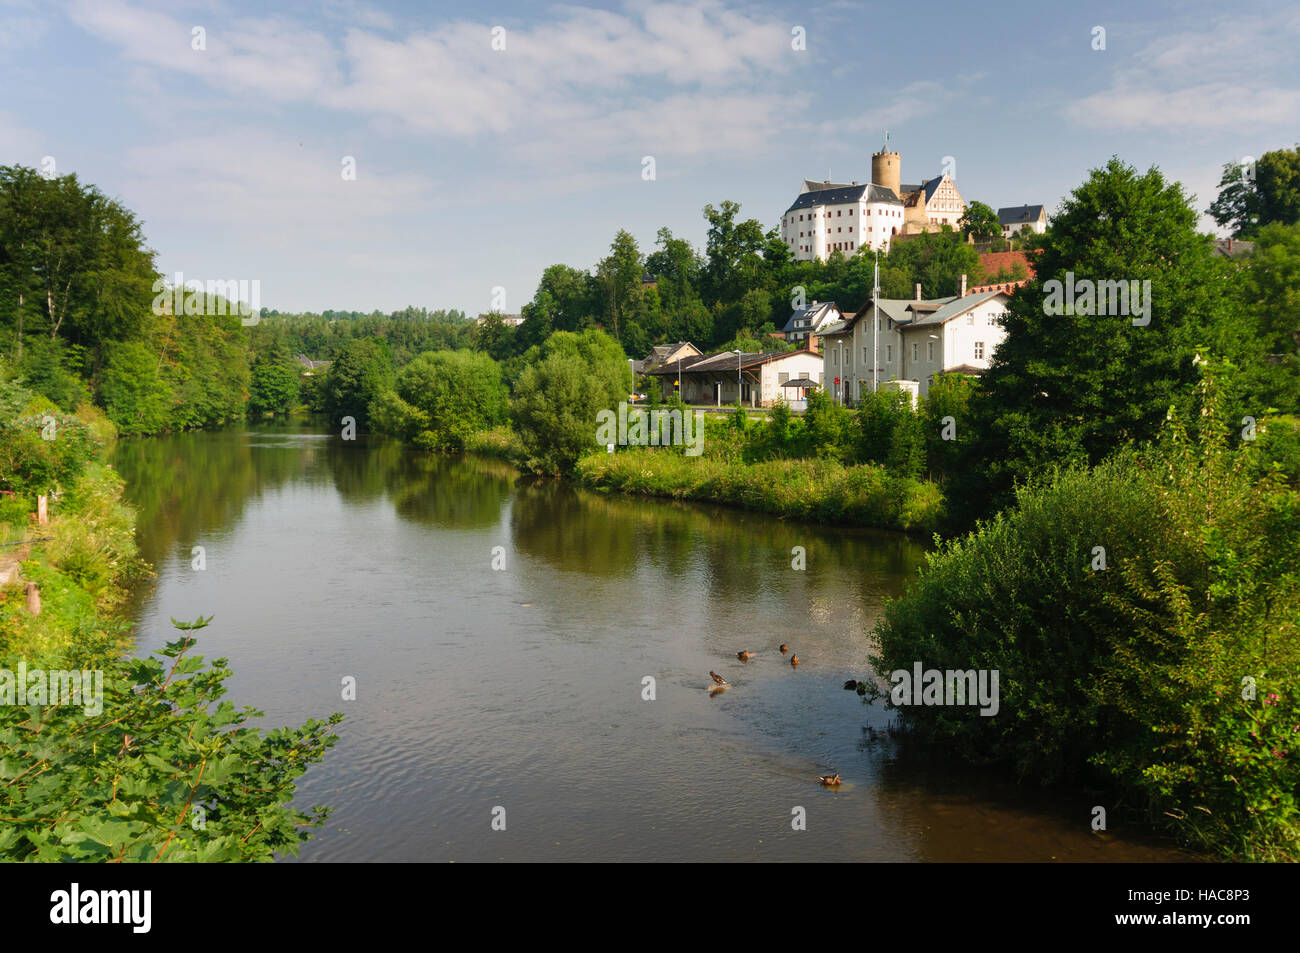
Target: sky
<point>490,140</point>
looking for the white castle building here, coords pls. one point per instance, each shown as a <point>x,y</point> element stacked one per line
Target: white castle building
<point>828,216</point>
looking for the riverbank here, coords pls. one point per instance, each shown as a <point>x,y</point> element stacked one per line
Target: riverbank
<point>817,490</point>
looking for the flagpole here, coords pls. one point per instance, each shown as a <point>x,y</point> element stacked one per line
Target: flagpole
<point>875,329</point>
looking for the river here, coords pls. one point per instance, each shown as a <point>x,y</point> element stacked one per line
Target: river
<point>522,688</point>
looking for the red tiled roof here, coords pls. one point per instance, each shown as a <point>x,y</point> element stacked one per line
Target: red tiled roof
<point>995,261</point>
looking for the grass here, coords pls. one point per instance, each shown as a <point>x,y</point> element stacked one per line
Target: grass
<point>822,491</point>
<point>82,573</point>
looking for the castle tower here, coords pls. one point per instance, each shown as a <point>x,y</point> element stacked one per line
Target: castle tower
<point>886,170</point>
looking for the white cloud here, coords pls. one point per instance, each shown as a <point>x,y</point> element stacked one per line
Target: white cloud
<point>566,81</point>
<point>1225,76</point>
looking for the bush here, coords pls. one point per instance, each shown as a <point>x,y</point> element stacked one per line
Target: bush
<point>166,771</point>
<point>1135,672</point>
<point>565,383</point>
<point>822,491</point>
<point>442,398</point>
<point>40,453</point>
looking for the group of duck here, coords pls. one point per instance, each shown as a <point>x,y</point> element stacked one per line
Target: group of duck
<point>720,683</point>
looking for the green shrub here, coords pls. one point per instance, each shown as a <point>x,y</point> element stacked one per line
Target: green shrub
<point>564,385</point>
<point>1134,672</point>
<point>166,771</point>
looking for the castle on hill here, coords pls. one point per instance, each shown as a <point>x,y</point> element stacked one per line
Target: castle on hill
<point>834,216</point>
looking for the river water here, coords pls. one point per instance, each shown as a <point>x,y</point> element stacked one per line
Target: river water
<point>523,688</point>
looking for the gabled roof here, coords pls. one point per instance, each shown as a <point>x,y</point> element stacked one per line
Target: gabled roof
<point>816,314</point>
<point>928,186</point>
<point>726,361</point>
<point>1019,214</point>
<point>845,195</point>
<point>909,312</point>
<point>953,307</point>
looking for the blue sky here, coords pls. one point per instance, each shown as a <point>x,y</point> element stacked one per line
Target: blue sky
<point>477,168</point>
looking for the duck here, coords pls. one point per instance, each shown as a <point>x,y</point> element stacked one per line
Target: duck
<point>850,685</point>
<point>744,656</point>
<point>784,648</point>
<point>717,678</point>
<point>794,660</point>
<point>829,780</point>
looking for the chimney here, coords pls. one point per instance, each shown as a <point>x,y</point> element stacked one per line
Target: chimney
<point>918,291</point>
<point>963,286</point>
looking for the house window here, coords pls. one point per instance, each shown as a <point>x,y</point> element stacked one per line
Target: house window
<point>821,378</point>
<point>979,350</point>
<point>929,351</point>
<point>864,354</point>
<point>889,353</point>
<point>970,320</point>
<point>782,378</point>
<point>916,348</point>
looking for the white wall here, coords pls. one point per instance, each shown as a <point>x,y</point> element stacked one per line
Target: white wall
<point>798,364</point>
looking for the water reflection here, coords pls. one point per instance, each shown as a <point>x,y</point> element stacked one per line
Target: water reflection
<point>479,687</point>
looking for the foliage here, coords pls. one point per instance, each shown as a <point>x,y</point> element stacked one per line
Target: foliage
<point>40,453</point>
<point>273,387</point>
<point>980,221</point>
<point>1268,194</point>
<point>443,397</point>
<point>165,772</point>
<point>1138,668</point>
<point>565,383</point>
<point>818,490</point>
<point>361,372</point>
<point>1070,388</point>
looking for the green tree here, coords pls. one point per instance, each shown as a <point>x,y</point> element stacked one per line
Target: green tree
<point>273,388</point>
<point>565,383</point>
<point>135,396</point>
<point>1071,387</point>
<point>1266,194</point>
<point>443,397</point>
<point>361,372</point>
<point>980,221</point>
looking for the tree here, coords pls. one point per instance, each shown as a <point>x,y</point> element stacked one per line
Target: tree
<point>443,397</point>
<point>134,395</point>
<point>733,253</point>
<point>565,383</point>
<point>1271,285</point>
<point>980,221</point>
<point>273,388</point>
<point>80,253</point>
<point>1269,193</point>
<point>362,371</point>
<point>1070,387</point>
<point>619,277</point>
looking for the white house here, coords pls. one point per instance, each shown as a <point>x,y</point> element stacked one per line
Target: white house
<point>920,340</point>
<point>811,320</point>
<point>1019,217</point>
<point>756,378</point>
